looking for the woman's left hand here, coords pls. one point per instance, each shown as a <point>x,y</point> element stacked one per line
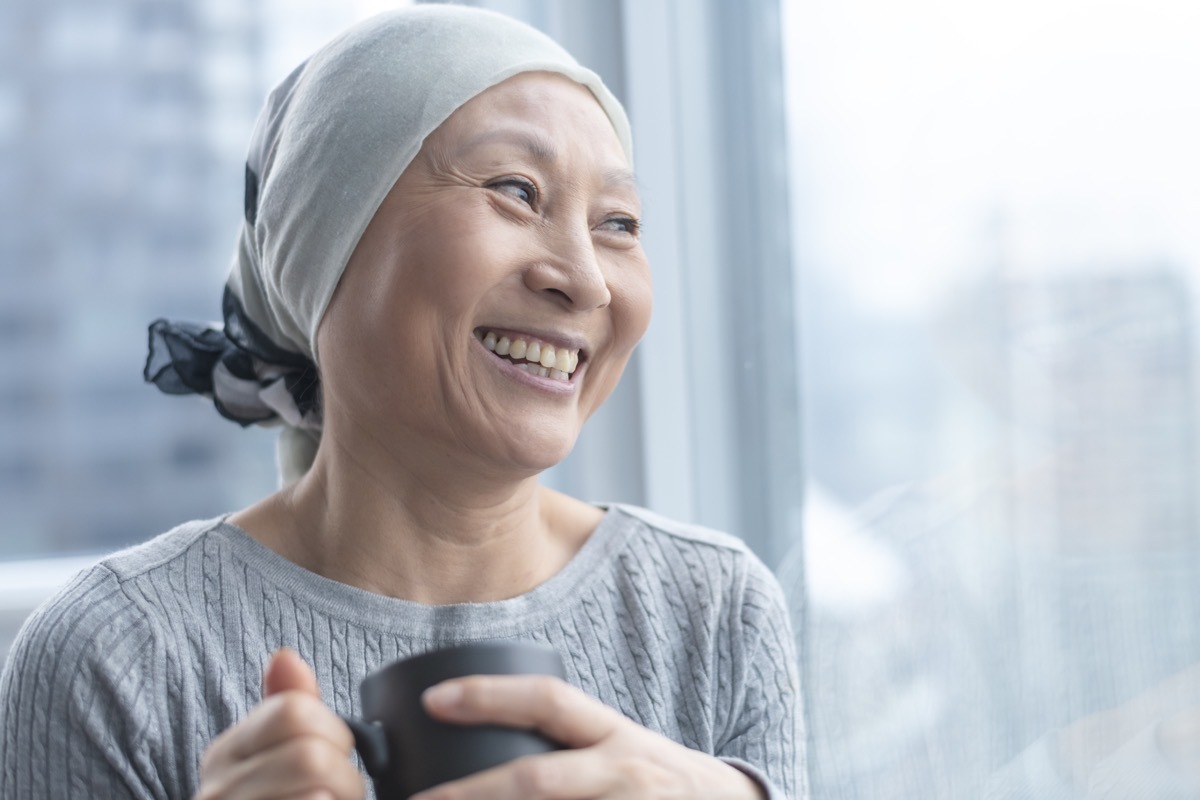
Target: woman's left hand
<point>610,756</point>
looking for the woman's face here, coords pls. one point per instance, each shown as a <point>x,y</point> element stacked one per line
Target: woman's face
<point>495,298</point>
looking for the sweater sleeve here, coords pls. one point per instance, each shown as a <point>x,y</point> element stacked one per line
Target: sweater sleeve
<point>78,714</point>
<point>763,730</point>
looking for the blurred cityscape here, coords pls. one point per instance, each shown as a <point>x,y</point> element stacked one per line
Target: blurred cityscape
<point>956,618</point>
<point>995,212</point>
<point>123,124</point>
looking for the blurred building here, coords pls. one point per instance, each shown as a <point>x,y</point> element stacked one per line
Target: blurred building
<point>1100,370</point>
<point>1050,578</point>
<point>123,126</point>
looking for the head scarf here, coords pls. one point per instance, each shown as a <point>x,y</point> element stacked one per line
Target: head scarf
<point>329,144</point>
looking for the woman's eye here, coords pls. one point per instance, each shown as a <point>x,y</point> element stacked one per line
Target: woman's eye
<point>524,191</point>
<point>622,225</point>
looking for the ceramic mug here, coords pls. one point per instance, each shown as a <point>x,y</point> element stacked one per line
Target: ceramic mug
<point>406,751</point>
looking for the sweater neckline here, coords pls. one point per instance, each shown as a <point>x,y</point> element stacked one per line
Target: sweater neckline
<point>458,622</point>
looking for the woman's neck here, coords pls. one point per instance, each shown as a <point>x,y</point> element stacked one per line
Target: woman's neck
<point>456,538</point>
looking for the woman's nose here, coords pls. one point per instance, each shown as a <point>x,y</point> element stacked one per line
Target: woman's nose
<point>571,273</point>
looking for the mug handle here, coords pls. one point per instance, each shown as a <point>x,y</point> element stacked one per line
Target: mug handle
<point>370,741</point>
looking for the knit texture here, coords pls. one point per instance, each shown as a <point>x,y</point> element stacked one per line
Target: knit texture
<point>115,686</point>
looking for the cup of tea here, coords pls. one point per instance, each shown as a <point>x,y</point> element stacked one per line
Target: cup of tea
<point>406,751</point>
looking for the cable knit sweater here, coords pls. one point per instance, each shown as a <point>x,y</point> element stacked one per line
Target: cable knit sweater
<point>116,685</point>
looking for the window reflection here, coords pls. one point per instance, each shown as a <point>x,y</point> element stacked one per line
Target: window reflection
<point>994,218</point>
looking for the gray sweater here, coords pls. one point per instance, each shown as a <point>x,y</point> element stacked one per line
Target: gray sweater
<point>116,685</point>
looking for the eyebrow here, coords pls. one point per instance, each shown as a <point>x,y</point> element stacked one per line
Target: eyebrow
<point>538,146</point>
<point>621,179</point>
<point>544,151</point>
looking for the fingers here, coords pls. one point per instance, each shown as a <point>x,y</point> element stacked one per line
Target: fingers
<point>613,758</point>
<point>279,718</point>
<point>288,672</point>
<point>565,775</point>
<point>306,766</point>
<point>549,705</point>
<point>290,746</point>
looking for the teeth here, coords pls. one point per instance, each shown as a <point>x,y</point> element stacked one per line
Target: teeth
<point>545,360</point>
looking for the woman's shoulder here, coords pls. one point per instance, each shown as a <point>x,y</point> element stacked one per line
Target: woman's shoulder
<point>687,536</point>
<point>100,655</point>
<point>657,524</point>
<point>692,547</point>
<point>107,596</point>
<point>157,553</point>
<point>712,580</point>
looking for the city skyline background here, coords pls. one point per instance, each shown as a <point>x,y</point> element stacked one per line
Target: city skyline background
<point>123,125</point>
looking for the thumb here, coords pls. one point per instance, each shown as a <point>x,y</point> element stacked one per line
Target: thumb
<point>288,672</point>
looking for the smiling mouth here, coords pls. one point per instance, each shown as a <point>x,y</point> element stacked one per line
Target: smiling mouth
<point>536,358</point>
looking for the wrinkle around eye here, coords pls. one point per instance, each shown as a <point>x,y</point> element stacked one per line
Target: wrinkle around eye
<point>616,239</point>
<point>621,220</point>
<point>627,225</point>
<point>518,189</point>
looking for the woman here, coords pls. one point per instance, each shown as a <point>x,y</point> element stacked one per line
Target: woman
<point>438,281</point>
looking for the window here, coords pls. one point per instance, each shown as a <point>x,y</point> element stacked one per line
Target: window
<point>993,211</point>
<point>925,337</point>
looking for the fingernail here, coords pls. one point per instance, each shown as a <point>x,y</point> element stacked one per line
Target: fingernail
<point>443,695</point>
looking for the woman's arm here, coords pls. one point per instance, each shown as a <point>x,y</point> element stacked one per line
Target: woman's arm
<point>81,700</point>
<point>762,729</point>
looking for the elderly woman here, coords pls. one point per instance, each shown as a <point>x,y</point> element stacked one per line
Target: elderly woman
<point>438,281</point>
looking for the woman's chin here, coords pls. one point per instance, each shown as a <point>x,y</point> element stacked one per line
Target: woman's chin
<point>539,451</point>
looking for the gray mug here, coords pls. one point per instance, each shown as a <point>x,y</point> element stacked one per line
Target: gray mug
<point>406,751</point>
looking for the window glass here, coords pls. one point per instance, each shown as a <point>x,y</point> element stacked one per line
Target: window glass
<point>995,212</point>
<point>123,128</point>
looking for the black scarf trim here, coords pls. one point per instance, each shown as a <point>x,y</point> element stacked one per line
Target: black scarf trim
<point>183,355</point>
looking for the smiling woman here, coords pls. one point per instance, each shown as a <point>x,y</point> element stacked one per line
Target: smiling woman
<point>494,229</point>
<point>438,281</point>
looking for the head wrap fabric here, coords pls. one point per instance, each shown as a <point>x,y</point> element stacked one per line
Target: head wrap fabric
<point>329,144</point>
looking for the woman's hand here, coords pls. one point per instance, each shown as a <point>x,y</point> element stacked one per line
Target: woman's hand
<point>611,756</point>
<point>291,746</point>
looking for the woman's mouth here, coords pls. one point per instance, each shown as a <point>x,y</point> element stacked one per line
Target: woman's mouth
<point>533,356</point>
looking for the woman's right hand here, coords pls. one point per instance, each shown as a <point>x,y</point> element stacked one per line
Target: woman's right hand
<point>290,746</point>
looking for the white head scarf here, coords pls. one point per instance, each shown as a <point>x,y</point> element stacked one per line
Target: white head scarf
<point>329,144</point>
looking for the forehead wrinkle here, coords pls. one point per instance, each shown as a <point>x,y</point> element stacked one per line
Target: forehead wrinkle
<point>541,148</point>
<point>544,151</point>
<point>620,178</point>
